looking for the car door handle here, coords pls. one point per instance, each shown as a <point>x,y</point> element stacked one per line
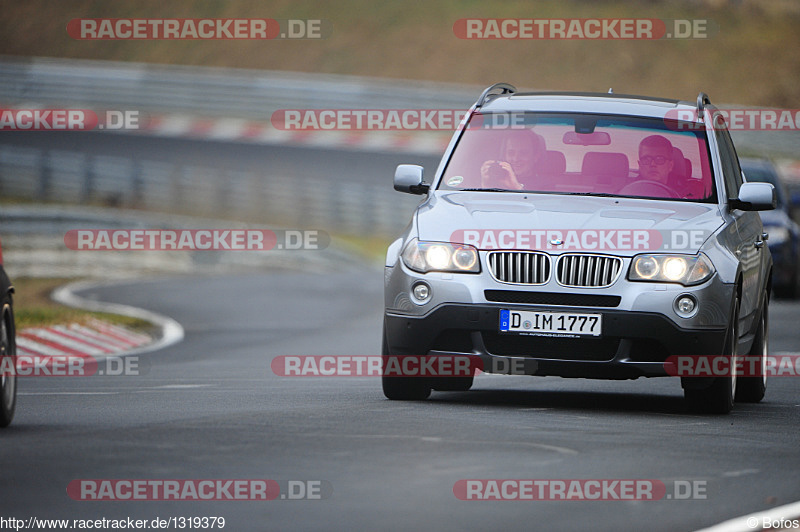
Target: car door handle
<point>759,244</point>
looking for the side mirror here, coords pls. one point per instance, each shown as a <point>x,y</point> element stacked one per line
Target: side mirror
<point>408,178</point>
<point>755,197</point>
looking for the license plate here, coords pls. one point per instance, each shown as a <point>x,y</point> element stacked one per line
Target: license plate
<point>550,323</point>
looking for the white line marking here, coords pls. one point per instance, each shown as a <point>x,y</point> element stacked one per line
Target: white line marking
<point>68,393</point>
<point>172,331</point>
<point>560,450</point>
<point>179,386</point>
<point>741,472</point>
<point>745,522</point>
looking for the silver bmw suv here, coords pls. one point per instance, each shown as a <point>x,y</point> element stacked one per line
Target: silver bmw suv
<point>582,235</point>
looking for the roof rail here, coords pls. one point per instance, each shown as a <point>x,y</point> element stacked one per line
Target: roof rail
<point>702,100</point>
<point>505,88</point>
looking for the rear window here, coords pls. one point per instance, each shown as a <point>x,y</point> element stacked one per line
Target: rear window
<point>582,154</point>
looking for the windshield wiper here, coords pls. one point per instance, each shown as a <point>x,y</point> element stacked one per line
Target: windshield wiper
<point>597,194</point>
<point>487,190</point>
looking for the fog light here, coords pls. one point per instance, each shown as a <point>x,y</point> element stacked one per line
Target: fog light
<point>422,292</point>
<point>686,306</point>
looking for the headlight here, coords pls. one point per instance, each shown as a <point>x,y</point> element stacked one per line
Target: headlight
<point>777,234</point>
<point>441,257</point>
<point>684,269</point>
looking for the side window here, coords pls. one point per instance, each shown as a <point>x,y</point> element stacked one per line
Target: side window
<point>730,163</point>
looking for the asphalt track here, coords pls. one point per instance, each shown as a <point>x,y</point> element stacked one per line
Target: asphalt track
<point>210,407</point>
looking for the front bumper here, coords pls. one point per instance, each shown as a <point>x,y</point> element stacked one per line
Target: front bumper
<point>632,345</point>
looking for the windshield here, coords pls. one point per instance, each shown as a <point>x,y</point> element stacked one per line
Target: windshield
<point>582,154</point>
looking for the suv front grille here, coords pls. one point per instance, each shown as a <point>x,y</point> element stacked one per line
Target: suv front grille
<point>521,267</point>
<point>594,271</point>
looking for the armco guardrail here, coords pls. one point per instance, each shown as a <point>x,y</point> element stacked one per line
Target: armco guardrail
<point>368,208</point>
<point>205,91</point>
<point>34,246</point>
<point>89,175</point>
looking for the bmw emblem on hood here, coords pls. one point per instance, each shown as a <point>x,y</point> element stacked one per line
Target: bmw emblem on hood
<point>556,241</point>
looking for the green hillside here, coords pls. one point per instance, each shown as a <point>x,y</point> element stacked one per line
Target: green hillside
<point>753,59</point>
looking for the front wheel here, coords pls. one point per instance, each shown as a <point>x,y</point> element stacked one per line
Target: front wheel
<point>752,389</point>
<point>8,373</point>
<point>403,388</point>
<point>718,398</point>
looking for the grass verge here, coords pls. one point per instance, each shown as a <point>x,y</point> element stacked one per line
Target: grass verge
<point>370,248</point>
<point>34,308</point>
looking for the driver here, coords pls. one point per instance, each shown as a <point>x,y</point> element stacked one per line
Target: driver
<point>655,159</point>
<point>521,151</point>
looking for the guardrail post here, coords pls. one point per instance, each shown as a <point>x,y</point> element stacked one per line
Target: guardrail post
<point>45,176</point>
<point>136,182</point>
<point>88,179</point>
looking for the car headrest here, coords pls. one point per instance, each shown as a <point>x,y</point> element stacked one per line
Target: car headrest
<point>552,163</point>
<point>601,163</point>
<point>678,165</point>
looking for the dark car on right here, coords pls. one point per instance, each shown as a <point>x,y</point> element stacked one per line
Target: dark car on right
<point>784,233</point>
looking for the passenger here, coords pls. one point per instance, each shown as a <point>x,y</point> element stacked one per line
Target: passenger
<point>521,151</point>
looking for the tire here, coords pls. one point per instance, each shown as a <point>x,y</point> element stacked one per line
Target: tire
<point>8,360</point>
<point>718,398</point>
<point>752,389</point>
<point>403,388</point>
